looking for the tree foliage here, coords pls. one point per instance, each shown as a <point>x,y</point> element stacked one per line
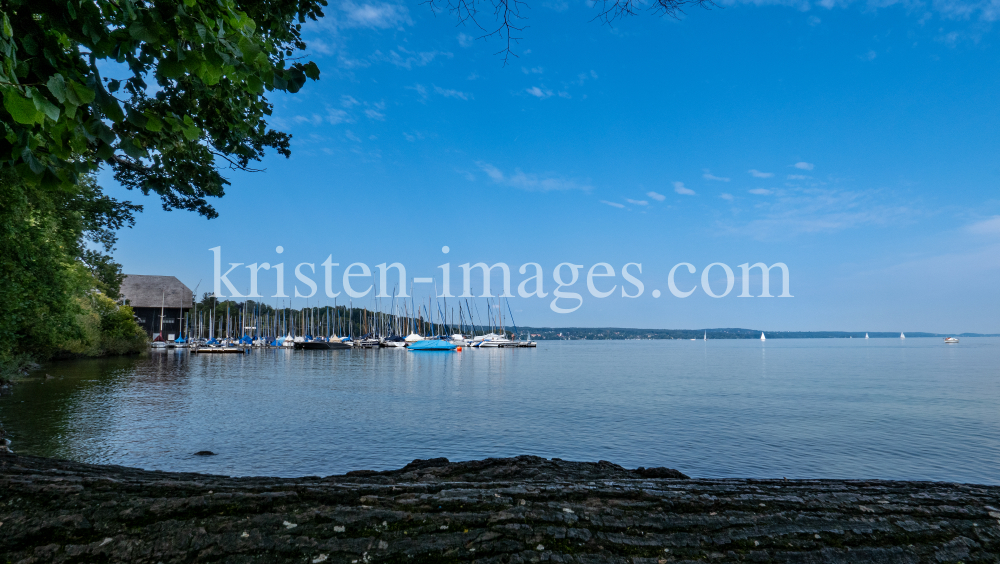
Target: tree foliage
<point>191,93</point>
<point>50,268</point>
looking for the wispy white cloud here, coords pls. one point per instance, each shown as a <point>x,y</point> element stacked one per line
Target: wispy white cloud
<point>989,226</point>
<point>637,202</point>
<point>350,135</point>
<point>797,177</point>
<point>532,182</point>
<point>377,15</point>
<point>804,166</point>
<point>333,116</point>
<point>448,93</point>
<point>727,197</point>
<point>535,70</point>
<point>656,196</point>
<point>314,119</point>
<point>539,92</point>
<point>336,115</point>
<point>556,6</point>
<point>407,59</point>
<point>758,174</point>
<point>321,46</point>
<point>613,204</point>
<point>464,40</point>
<point>420,89</point>
<point>821,210</point>
<point>375,114</point>
<point>709,176</point>
<point>348,101</point>
<point>583,77</point>
<point>761,191</point>
<point>958,10</point>
<point>681,189</point>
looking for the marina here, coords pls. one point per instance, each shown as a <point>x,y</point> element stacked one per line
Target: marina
<point>233,327</point>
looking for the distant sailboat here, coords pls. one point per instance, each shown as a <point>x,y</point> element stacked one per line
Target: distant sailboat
<point>705,338</point>
<point>866,335</point>
<point>762,337</point>
<point>902,336</point>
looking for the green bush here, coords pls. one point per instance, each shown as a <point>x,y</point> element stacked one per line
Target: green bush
<point>48,306</point>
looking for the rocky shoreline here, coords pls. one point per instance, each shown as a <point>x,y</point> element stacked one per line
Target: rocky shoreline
<point>523,509</point>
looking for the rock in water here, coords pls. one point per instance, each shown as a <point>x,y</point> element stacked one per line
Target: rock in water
<point>204,453</point>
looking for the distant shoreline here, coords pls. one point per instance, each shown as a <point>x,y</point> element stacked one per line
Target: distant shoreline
<point>619,333</point>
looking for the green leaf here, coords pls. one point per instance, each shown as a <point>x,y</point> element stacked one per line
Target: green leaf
<point>7,30</point>
<point>111,109</point>
<point>104,132</point>
<point>21,109</point>
<point>279,82</point>
<point>143,33</point>
<point>137,119</point>
<point>311,70</point>
<point>83,94</point>
<point>211,74</point>
<point>105,151</point>
<point>248,48</point>
<point>57,86</point>
<point>190,130</point>
<point>171,68</point>
<point>46,107</point>
<point>33,163</point>
<point>154,124</point>
<point>131,149</point>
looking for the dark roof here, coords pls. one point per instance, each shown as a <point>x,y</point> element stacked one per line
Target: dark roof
<point>153,291</point>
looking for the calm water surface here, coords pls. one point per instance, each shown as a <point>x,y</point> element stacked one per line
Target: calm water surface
<point>914,409</point>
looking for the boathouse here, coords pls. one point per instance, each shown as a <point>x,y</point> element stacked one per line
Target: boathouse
<point>151,295</point>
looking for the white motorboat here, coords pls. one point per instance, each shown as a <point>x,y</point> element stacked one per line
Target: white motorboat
<point>395,342</point>
<point>492,340</point>
<point>951,339</point>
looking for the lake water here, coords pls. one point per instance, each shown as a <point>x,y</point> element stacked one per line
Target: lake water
<point>816,408</point>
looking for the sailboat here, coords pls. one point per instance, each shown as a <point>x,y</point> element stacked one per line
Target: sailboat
<point>705,338</point>
<point>762,337</point>
<point>866,335</point>
<point>902,336</point>
<point>158,342</point>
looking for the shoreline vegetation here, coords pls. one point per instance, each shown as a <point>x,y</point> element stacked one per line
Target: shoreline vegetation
<point>59,293</point>
<point>522,509</point>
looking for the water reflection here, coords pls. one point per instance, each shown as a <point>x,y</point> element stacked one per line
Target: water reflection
<point>796,408</point>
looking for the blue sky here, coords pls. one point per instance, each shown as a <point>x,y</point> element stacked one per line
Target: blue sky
<point>855,142</point>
